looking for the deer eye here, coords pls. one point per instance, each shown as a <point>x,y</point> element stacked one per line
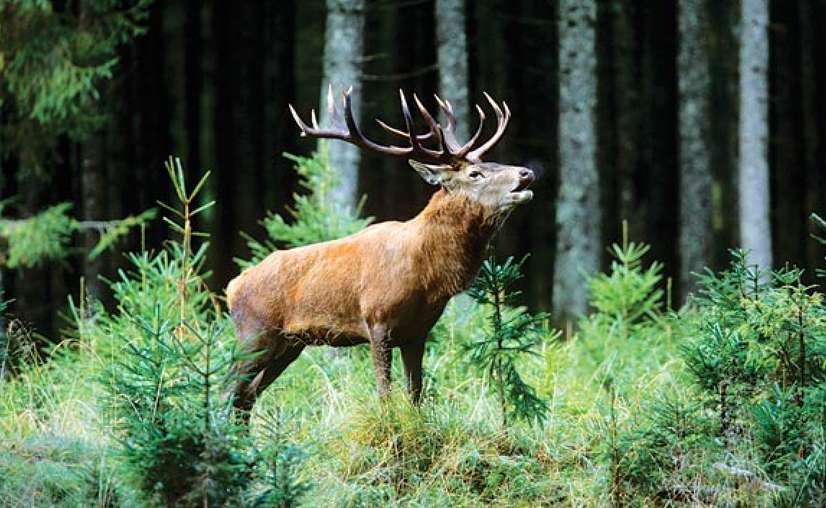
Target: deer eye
<point>475,174</point>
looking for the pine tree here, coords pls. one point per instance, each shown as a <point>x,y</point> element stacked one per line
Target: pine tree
<point>54,64</point>
<point>512,334</point>
<point>171,346</point>
<point>56,61</point>
<point>48,236</point>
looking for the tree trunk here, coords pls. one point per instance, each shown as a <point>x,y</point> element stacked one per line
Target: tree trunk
<point>694,85</point>
<point>627,115</point>
<point>753,174</point>
<point>93,191</point>
<point>344,41</point>
<point>577,215</point>
<point>453,60</point>
<point>193,75</point>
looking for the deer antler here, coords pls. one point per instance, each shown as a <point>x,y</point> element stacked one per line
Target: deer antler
<point>447,151</point>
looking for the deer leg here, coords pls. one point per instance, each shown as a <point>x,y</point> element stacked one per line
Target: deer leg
<point>382,357</point>
<point>412,355</point>
<point>260,372</point>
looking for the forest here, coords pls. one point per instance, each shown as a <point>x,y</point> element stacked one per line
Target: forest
<point>644,326</point>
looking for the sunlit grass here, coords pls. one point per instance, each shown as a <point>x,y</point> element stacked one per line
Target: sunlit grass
<point>364,451</point>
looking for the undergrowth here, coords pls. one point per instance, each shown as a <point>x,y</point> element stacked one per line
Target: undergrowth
<point>719,403</point>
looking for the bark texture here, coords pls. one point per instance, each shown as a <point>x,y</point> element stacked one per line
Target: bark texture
<point>453,60</point>
<point>696,234</point>
<point>753,174</point>
<point>343,48</point>
<point>93,192</point>
<point>577,213</point>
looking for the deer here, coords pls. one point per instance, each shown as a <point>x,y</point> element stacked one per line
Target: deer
<point>388,284</point>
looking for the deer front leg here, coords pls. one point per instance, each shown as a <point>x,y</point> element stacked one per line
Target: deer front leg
<point>412,355</point>
<point>382,357</point>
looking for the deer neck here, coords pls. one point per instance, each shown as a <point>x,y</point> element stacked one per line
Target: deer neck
<point>452,233</point>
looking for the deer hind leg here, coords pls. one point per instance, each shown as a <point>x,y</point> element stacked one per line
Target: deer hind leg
<point>382,357</point>
<point>275,354</point>
<point>412,355</point>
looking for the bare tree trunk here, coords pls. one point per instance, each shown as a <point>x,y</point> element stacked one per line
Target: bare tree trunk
<point>577,215</point>
<point>694,85</point>
<point>453,60</point>
<point>193,72</point>
<point>343,47</point>
<point>92,191</point>
<point>753,174</point>
<point>627,103</point>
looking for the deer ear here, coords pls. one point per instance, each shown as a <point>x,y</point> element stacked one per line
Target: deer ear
<point>432,174</point>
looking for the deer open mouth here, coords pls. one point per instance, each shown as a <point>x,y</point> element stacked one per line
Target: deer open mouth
<point>523,184</point>
<point>521,194</point>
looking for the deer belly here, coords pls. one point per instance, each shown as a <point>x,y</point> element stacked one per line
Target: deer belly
<point>316,330</point>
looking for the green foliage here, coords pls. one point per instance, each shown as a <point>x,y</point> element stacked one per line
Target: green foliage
<point>54,62</point>
<point>512,334</point>
<point>47,236</point>
<point>628,296</point>
<point>178,440</point>
<point>722,403</point>
<point>111,232</point>
<point>628,293</point>
<point>278,468</point>
<point>746,426</point>
<point>43,237</point>
<point>315,216</point>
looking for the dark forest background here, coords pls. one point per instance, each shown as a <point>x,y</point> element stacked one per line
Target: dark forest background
<point>210,82</point>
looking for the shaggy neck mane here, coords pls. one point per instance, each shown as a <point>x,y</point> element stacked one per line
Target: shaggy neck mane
<point>453,234</point>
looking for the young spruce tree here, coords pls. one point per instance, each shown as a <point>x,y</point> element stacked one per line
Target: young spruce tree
<point>513,333</point>
<point>179,441</point>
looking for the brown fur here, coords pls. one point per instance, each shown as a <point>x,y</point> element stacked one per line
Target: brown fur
<point>392,279</point>
<point>386,285</point>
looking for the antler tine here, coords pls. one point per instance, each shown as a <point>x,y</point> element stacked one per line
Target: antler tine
<point>335,119</point>
<point>460,151</point>
<point>502,119</point>
<point>435,128</point>
<point>448,111</point>
<point>418,150</point>
<point>449,132</point>
<point>346,130</point>
<point>298,121</point>
<point>448,151</point>
<point>463,151</point>
<point>359,138</point>
<point>402,134</point>
<point>408,122</point>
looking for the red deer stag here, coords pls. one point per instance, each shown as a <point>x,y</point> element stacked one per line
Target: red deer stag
<point>388,284</point>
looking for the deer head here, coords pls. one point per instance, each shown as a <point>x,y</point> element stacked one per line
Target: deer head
<point>436,154</point>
